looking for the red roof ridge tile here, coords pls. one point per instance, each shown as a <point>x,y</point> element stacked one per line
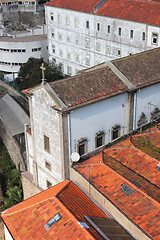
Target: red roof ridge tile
<point>34,200</point>
<point>73,217</point>
<point>131,184</point>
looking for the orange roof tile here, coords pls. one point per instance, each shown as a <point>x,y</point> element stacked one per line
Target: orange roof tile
<point>124,163</point>
<point>27,219</point>
<point>138,11</point>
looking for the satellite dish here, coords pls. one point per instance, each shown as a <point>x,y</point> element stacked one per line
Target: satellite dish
<point>75,157</point>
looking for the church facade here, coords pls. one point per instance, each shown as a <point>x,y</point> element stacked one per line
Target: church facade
<point>84,112</point>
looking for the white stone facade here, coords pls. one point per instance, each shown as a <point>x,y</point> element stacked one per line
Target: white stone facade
<point>79,40</point>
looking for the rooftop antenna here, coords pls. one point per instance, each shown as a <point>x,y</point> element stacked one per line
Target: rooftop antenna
<point>43,69</point>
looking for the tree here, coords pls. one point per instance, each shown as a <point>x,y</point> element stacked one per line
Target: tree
<point>30,73</point>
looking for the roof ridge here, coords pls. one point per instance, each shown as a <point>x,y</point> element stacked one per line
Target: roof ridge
<point>133,186</point>
<point>73,217</point>
<point>67,183</point>
<point>121,76</point>
<point>33,204</point>
<point>11,213</point>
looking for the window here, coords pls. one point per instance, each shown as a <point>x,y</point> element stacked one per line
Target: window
<point>87,60</point>
<point>87,42</point>
<point>52,18</point>
<point>98,26</point>
<point>69,70</point>
<point>60,53</point>
<point>118,52</point>
<point>60,36</point>
<point>54,219</point>
<point>87,24</point>
<point>119,31</point>
<point>67,20</point>
<point>48,165</point>
<point>154,38</point>
<point>68,39</point>
<point>115,132</point>
<point>68,56</point>
<point>52,33</point>
<point>77,58</point>
<point>108,50</point>
<point>46,144</point>
<point>82,146</point>
<point>53,49</point>
<point>131,34</point>
<point>99,139</point>
<point>49,184</point>
<point>76,42</point>
<point>109,29</point>
<point>36,49</point>
<point>98,46</point>
<point>59,18</point>
<point>143,36</point>
<point>76,22</point>
<point>62,67</point>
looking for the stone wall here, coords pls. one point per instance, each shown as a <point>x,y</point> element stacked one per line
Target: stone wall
<point>11,145</point>
<point>29,188</point>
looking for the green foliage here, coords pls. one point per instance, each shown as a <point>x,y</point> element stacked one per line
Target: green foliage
<point>10,180</point>
<point>30,73</point>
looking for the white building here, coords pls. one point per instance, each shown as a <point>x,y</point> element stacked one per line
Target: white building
<point>84,112</point>
<point>83,34</point>
<point>17,48</point>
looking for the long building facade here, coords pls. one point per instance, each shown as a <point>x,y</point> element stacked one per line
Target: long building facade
<point>84,34</point>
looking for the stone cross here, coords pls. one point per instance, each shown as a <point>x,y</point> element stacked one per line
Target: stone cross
<point>43,69</point>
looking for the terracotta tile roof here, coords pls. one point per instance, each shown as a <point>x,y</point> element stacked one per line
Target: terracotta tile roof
<point>131,156</point>
<point>124,163</point>
<point>140,69</point>
<point>81,5</point>
<point>27,219</point>
<point>138,11</point>
<point>71,90</point>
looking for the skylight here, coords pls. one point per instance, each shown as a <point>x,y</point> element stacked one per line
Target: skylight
<point>52,221</point>
<point>126,189</point>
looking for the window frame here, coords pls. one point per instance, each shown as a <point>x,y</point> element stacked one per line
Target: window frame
<point>99,135</point>
<point>80,143</point>
<point>131,33</point>
<point>46,143</point>
<point>87,24</point>
<point>154,43</point>
<point>114,129</point>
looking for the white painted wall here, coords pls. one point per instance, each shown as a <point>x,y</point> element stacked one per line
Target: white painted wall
<point>7,234</point>
<point>86,121</point>
<point>110,43</point>
<point>148,99</point>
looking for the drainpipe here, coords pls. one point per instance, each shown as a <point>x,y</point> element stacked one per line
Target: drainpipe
<point>135,111</point>
<point>69,137</point>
